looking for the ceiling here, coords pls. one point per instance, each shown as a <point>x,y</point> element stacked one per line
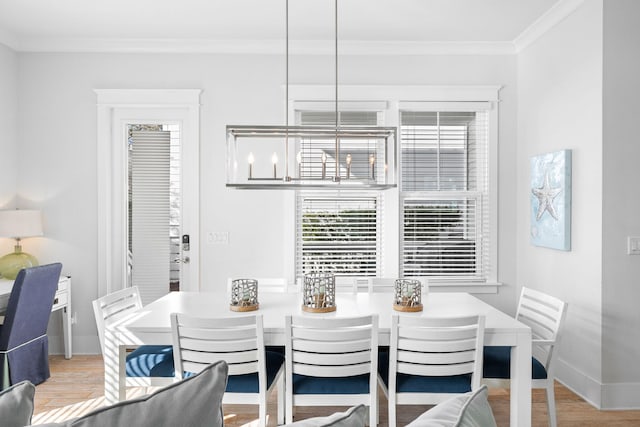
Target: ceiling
<point>82,25</point>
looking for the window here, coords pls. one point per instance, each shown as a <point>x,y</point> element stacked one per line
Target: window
<point>338,231</point>
<point>440,222</point>
<point>444,193</point>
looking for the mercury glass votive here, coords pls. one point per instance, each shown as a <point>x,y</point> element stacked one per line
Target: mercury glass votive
<point>407,295</point>
<point>319,292</point>
<point>244,295</point>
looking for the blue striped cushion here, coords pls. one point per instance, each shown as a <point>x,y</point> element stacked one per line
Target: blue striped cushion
<point>248,383</point>
<point>420,384</point>
<point>497,364</point>
<point>150,361</point>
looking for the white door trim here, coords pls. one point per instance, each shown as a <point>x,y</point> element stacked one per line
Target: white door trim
<point>114,106</point>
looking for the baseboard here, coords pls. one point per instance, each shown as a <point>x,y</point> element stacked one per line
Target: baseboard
<point>607,396</point>
<point>580,383</point>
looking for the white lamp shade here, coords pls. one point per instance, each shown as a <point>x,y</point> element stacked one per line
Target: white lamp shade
<point>20,223</point>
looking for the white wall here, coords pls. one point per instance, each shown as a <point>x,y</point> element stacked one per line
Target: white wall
<point>57,124</point>
<point>560,107</point>
<point>621,204</point>
<point>9,135</point>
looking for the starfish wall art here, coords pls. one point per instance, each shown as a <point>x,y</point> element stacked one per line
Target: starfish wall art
<point>551,200</point>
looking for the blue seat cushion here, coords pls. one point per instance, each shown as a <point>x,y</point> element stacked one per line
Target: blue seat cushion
<point>303,384</point>
<point>248,383</point>
<point>406,383</point>
<point>497,364</point>
<point>150,361</point>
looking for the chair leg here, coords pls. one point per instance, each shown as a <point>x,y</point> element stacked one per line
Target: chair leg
<point>288,412</point>
<point>391,402</point>
<point>280,398</point>
<point>262,412</point>
<point>551,404</point>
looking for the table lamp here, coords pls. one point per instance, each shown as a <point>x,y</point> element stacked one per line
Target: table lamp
<point>18,224</point>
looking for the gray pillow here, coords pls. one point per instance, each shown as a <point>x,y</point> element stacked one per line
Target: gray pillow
<point>195,401</point>
<point>354,417</point>
<point>466,410</point>
<point>16,404</point>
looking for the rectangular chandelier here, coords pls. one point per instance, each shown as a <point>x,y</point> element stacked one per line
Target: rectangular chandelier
<point>294,157</point>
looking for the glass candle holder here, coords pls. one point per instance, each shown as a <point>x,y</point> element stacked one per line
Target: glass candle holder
<point>407,295</point>
<point>319,292</point>
<point>244,295</point>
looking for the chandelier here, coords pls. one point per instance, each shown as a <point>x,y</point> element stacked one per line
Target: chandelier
<point>318,157</point>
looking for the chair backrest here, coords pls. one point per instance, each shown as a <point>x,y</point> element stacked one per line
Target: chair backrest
<point>437,347</point>
<point>114,307</point>
<point>331,347</point>
<point>238,340</point>
<point>384,284</point>
<point>544,314</point>
<point>29,306</point>
<point>266,284</point>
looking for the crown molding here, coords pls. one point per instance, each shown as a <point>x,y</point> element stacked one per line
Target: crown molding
<point>296,47</point>
<point>550,19</point>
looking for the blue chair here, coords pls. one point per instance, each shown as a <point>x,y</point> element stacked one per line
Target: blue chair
<point>431,360</point>
<point>147,365</point>
<point>331,362</point>
<point>24,345</point>
<point>239,341</point>
<point>544,314</point>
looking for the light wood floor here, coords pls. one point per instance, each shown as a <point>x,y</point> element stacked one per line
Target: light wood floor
<point>76,387</point>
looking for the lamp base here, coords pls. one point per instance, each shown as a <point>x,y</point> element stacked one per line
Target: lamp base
<point>11,264</point>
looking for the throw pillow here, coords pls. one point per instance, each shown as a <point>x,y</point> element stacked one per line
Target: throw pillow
<point>467,410</point>
<point>16,404</point>
<point>195,401</point>
<point>354,417</point>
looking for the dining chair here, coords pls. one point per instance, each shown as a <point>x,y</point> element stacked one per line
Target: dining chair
<point>24,345</point>
<point>146,365</point>
<point>331,361</point>
<point>431,360</point>
<point>544,314</point>
<point>239,340</point>
<point>266,284</point>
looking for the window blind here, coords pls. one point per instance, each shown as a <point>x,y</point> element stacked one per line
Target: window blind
<point>338,234</point>
<point>444,194</point>
<point>149,176</point>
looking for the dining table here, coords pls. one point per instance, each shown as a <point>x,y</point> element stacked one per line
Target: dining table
<point>151,325</point>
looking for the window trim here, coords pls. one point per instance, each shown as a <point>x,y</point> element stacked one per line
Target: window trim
<point>393,96</point>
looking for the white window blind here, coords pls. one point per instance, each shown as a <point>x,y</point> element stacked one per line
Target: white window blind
<point>338,231</point>
<point>149,214</point>
<point>338,234</point>
<point>444,194</point>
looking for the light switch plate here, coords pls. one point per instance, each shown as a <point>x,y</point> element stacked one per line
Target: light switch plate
<point>633,245</point>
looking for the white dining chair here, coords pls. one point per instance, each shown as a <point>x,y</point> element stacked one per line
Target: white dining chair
<point>146,365</point>
<point>239,340</point>
<point>430,360</point>
<point>544,314</point>
<point>331,361</point>
<point>266,284</point>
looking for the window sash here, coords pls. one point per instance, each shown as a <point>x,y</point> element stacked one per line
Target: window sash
<point>339,234</point>
<point>444,200</point>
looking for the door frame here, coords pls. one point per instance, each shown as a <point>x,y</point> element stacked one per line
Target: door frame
<point>115,108</point>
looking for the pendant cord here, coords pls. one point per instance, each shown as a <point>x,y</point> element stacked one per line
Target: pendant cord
<point>337,174</point>
<point>286,94</point>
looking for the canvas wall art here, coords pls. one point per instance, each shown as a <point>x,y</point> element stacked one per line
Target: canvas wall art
<point>551,200</point>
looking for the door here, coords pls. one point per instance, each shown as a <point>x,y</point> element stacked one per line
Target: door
<point>148,191</point>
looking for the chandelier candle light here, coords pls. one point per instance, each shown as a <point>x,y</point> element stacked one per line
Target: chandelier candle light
<point>301,148</point>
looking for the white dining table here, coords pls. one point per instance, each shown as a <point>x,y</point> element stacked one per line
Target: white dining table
<point>151,325</point>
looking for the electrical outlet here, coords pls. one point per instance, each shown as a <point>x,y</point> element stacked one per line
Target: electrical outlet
<point>218,238</point>
<point>633,245</point>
